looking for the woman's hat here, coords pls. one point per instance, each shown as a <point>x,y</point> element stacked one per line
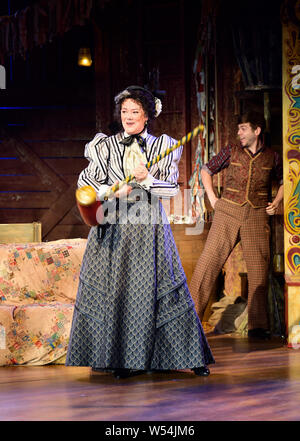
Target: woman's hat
<point>127,93</point>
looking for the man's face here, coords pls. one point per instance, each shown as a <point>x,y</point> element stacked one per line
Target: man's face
<point>247,135</point>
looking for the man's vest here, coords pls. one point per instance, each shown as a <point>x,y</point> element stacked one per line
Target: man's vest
<point>248,177</point>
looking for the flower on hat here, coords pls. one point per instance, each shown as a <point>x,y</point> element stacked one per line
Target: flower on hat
<point>158,107</point>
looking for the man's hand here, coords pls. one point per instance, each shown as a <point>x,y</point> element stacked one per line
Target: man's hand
<point>213,199</point>
<point>271,208</point>
<point>208,186</point>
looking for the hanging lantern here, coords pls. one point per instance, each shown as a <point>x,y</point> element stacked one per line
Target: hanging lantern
<point>84,57</point>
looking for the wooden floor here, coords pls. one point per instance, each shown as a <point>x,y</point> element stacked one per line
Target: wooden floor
<point>249,382</point>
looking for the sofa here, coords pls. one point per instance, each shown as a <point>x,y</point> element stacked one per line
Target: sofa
<point>38,286</point>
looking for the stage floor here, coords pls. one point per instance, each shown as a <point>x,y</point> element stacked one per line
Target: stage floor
<point>249,382</point>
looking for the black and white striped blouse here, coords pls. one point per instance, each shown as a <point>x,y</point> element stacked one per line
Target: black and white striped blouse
<point>105,155</point>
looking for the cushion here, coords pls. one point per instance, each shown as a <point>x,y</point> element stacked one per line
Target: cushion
<point>42,272</point>
<point>34,334</point>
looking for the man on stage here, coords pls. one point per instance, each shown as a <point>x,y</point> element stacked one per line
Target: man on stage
<point>241,214</point>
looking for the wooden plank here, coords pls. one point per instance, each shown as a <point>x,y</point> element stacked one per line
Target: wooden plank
<point>250,381</point>
<point>67,166</point>
<point>15,167</point>
<point>63,204</point>
<point>29,160</point>
<point>189,246</point>
<point>21,183</point>
<point>56,148</point>
<point>68,232</point>
<point>60,200</point>
<point>28,182</point>
<point>74,131</point>
<point>59,166</point>
<point>32,160</point>
<point>27,199</point>
<point>73,217</point>
<point>23,214</point>
<point>20,232</point>
<point>57,116</point>
<point>47,94</point>
<point>103,78</point>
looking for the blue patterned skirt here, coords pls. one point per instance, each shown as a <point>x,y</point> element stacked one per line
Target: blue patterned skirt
<point>133,308</point>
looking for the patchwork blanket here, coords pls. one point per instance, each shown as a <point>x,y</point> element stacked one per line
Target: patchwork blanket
<point>38,287</point>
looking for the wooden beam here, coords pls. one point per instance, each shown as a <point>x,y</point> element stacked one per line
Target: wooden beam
<point>65,192</point>
<point>59,209</point>
<point>102,79</point>
<point>33,161</point>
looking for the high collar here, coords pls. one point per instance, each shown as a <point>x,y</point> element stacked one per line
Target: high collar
<point>143,134</point>
<point>129,140</point>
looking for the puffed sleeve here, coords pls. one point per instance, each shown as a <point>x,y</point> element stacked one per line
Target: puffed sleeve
<point>95,174</point>
<point>165,185</point>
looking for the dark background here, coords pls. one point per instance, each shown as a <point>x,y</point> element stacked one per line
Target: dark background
<point>51,107</point>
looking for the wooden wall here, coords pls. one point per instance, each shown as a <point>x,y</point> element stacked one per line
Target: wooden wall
<point>47,115</point>
<point>52,107</point>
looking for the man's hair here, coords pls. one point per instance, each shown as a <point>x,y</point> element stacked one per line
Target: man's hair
<point>255,119</point>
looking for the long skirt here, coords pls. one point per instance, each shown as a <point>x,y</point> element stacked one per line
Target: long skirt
<point>133,308</point>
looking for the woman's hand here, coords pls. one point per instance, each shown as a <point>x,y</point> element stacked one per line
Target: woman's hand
<point>140,172</point>
<point>124,191</point>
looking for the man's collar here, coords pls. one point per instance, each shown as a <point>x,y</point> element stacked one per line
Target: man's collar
<point>261,147</point>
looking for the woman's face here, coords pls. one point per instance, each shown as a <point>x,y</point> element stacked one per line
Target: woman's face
<point>133,116</point>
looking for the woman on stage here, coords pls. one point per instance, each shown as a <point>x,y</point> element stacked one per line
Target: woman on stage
<point>133,309</point>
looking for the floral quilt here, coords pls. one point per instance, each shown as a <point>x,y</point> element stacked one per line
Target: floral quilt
<point>38,286</point>
<point>40,272</point>
<point>34,334</point>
